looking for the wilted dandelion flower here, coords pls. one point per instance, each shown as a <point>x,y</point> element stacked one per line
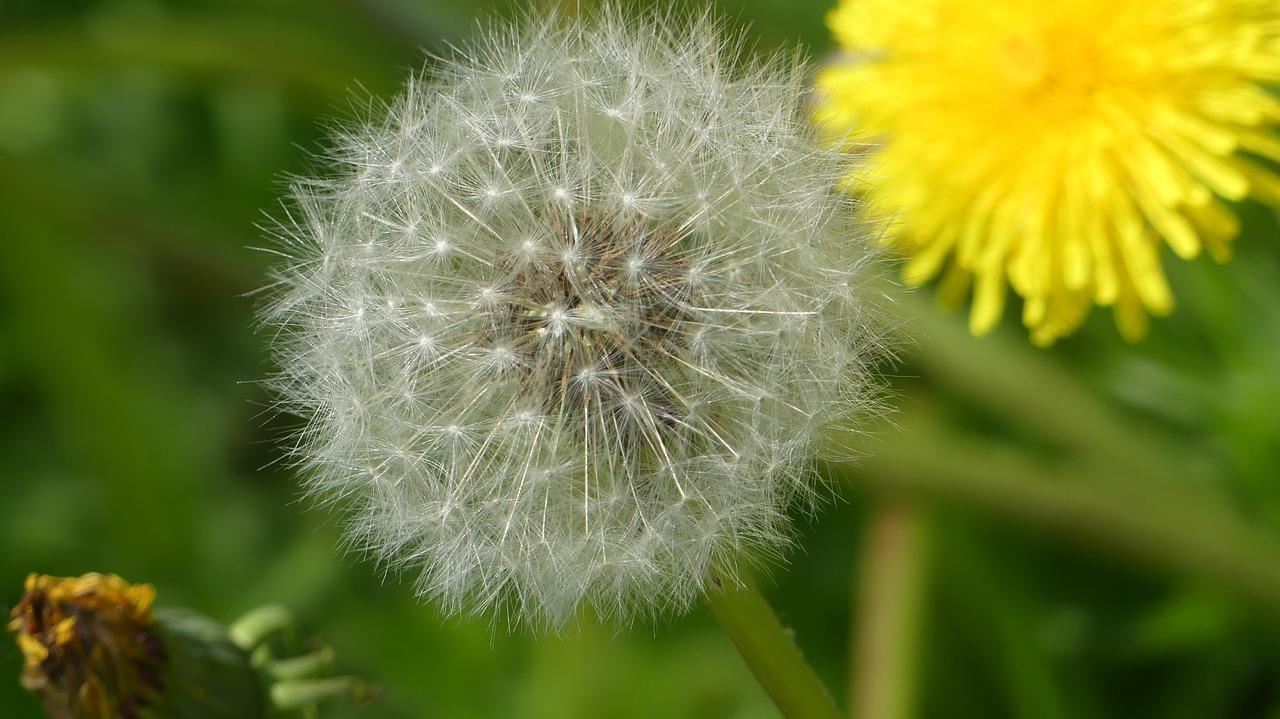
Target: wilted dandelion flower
<point>95,649</point>
<point>565,322</point>
<point>1056,146</point>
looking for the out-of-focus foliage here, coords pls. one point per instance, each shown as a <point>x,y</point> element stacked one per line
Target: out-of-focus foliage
<point>140,142</point>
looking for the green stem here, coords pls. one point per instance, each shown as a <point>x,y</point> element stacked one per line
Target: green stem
<point>1026,387</point>
<point>890,604</point>
<point>1183,531</point>
<point>769,650</point>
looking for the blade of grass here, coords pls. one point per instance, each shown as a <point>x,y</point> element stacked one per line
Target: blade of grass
<point>1169,527</point>
<point>891,593</point>
<point>1031,392</point>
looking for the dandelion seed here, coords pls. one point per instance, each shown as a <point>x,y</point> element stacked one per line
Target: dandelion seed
<point>1055,147</point>
<point>621,360</point>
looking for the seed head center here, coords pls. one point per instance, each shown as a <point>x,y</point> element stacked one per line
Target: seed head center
<point>590,321</point>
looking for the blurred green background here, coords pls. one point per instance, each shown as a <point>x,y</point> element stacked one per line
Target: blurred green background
<point>1095,529</point>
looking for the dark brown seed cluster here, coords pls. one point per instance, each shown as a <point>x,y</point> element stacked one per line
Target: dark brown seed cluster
<point>584,322</point>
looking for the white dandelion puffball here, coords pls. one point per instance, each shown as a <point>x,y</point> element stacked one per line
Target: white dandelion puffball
<point>566,320</point>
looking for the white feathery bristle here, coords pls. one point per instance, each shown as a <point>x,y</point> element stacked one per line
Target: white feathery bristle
<point>565,323</point>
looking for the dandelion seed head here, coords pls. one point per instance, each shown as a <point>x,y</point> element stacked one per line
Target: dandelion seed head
<point>621,316</point>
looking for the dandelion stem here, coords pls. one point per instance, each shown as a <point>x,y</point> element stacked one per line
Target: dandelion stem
<point>890,590</point>
<point>1171,526</point>
<point>1029,390</point>
<point>769,650</point>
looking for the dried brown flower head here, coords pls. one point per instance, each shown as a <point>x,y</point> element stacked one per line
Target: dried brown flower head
<point>90,645</point>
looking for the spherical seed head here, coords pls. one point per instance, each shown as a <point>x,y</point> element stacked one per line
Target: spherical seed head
<point>565,322</point>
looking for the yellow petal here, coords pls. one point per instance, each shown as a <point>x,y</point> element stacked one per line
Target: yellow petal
<point>32,649</point>
<point>988,302</point>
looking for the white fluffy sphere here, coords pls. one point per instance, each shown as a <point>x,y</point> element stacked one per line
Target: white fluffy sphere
<point>566,321</point>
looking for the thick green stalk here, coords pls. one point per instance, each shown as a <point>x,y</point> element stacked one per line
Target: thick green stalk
<point>890,602</point>
<point>1171,526</point>
<point>769,650</point>
<point>1030,391</point>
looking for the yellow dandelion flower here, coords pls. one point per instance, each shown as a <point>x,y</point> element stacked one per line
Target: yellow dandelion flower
<point>1053,147</point>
